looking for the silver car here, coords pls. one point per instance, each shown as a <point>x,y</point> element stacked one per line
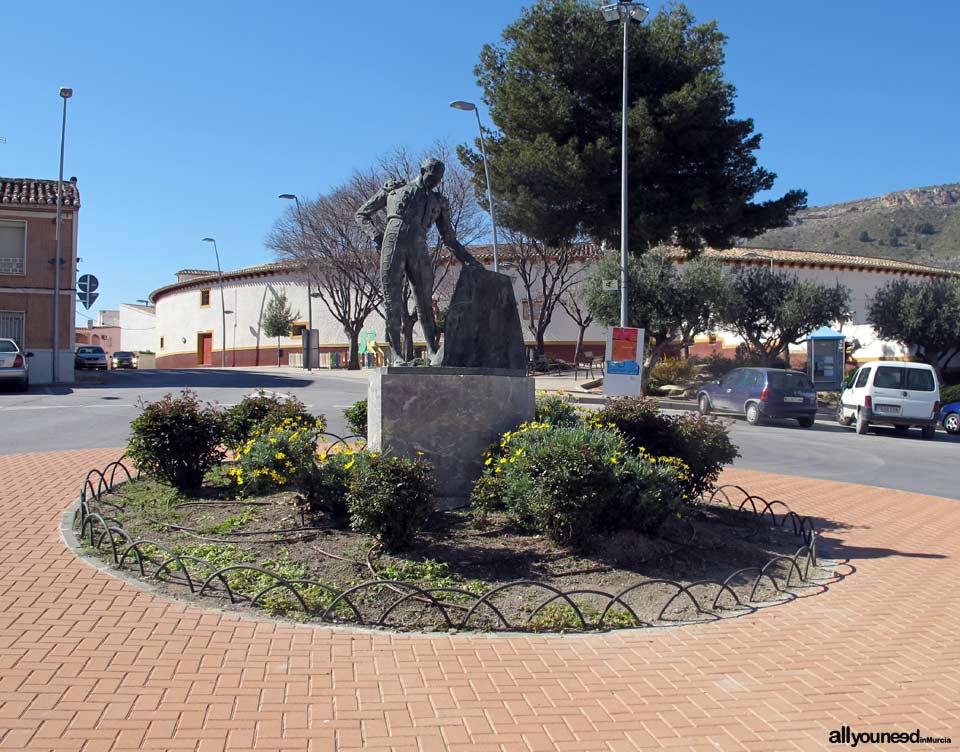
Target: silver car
<point>13,365</point>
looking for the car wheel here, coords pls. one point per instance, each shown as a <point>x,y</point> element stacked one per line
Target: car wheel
<point>753,414</point>
<point>806,422</point>
<point>928,432</point>
<point>703,405</point>
<point>952,423</point>
<point>863,425</point>
<point>842,419</point>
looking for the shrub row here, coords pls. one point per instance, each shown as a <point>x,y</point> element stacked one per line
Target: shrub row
<point>572,482</point>
<point>179,438</point>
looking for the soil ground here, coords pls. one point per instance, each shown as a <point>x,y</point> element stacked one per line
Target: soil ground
<point>456,558</point>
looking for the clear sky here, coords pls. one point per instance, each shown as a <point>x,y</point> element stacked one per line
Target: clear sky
<point>188,118</point>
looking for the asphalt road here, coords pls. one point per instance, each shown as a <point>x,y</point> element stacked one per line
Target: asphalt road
<point>99,415</point>
<point>90,415</point>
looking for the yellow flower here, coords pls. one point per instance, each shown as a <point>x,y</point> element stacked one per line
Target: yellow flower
<point>419,453</point>
<point>279,456</point>
<point>272,441</point>
<point>489,461</point>
<point>349,464</point>
<point>503,460</point>
<point>498,470</point>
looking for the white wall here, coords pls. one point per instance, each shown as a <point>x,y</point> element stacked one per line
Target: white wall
<point>180,317</point>
<point>138,329</point>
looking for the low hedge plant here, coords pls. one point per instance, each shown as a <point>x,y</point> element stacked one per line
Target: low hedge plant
<point>262,411</point>
<point>702,444</point>
<point>573,482</point>
<point>178,439</point>
<point>391,498</point>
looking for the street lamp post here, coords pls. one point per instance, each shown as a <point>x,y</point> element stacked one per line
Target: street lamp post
<point>624,12</point>
<point>223,306</point>
<point>752,255</point>
<point>289,197</point>
<point>467,107</point>
<point>65,94</point>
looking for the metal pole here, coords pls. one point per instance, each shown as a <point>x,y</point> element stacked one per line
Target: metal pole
<point>223,311</point>
<point>486,169</point>
<point>625,19</point>
<point>309,294</point>
<point>56,263</point>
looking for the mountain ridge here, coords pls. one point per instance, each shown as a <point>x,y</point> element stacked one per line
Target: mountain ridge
<point>920,225</point>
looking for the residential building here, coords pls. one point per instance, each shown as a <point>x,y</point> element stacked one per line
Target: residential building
<point>28,210</point>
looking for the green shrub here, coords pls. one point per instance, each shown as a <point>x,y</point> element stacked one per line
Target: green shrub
<point>356,416</point>
<point>670,371</point>
<point>391,498</point>
<point>702,444</point>
<point>950,394</point>
<point>720,364</point>
<point>262,411</point>
<point>572,482</point>
<point>327,487</point>
<point>177,439</point>
<point>556,410</point>
<point>275,457</point>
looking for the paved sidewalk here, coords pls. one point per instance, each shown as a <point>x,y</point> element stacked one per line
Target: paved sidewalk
<point>90,663</point>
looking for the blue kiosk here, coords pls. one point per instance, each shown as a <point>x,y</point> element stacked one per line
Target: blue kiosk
<point>825,359</point>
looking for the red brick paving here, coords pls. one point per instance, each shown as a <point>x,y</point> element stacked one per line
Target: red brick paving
<point>89,663</point>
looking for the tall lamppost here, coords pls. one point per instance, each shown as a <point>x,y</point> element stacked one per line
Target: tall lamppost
<point>223,306</point>
<point>65,94</point>
<point>467,107</point>
<point>624,12</point>
<point>292,197</point>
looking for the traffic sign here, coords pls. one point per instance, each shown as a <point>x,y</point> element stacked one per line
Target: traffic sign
<point>86,290</point>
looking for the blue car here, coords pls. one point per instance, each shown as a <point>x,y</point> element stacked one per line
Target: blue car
<point>950,417</point>
<point>760,393</point>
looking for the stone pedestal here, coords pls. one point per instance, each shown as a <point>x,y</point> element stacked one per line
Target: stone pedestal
<point>450,415</point>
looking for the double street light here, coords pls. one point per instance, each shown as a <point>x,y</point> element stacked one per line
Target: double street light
<point>468,107</point>
<point>223,306</point>
<point>753,255</point>
<point>65,94</point>
<point>309,358</point>
<point>624,12</point>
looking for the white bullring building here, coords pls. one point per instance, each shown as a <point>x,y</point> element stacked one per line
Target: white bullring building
<point>190,330</point>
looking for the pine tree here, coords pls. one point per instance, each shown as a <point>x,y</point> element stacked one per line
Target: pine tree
<point>278,318</point>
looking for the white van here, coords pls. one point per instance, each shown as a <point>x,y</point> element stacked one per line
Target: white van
<point>890,393</point>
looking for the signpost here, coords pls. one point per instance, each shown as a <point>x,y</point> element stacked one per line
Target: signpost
<point>624,377</point>
<point>86,290</point>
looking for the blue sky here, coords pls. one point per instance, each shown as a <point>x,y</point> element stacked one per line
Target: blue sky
<point>189,118</point>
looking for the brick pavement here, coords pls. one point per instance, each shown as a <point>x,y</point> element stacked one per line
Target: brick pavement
<point>90,663</point>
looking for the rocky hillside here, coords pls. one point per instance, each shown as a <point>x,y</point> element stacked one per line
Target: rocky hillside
<point>920,225</point>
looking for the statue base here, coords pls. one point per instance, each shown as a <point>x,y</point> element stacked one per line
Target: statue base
<point>447,416</point>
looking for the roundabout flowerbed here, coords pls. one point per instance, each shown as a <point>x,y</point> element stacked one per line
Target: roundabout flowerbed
<point>573,527</point>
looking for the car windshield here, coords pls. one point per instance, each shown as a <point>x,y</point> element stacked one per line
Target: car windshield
<point>123,355</point>
<point>90,350</point>
<point>788,381</point>
<point>8,346</point>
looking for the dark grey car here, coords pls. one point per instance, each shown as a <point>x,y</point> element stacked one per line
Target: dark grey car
<point>759,393</point>
<point>90,356</point>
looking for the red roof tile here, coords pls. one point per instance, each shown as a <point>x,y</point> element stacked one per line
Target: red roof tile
<point>33,192</point>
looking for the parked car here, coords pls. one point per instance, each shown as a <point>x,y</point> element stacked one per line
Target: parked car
<point>886,393</point>
<point>124,359</point>
<point>14,368</point>
<point>90,356</point>
<point>950,417</point>
<point>759,393</point>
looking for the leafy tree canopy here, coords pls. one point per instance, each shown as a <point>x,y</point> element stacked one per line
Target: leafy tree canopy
<point>672,303</point>
<point>926,314</point>
<point>278,317</point>
<point>771,310</point>
<point>553,86</point>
